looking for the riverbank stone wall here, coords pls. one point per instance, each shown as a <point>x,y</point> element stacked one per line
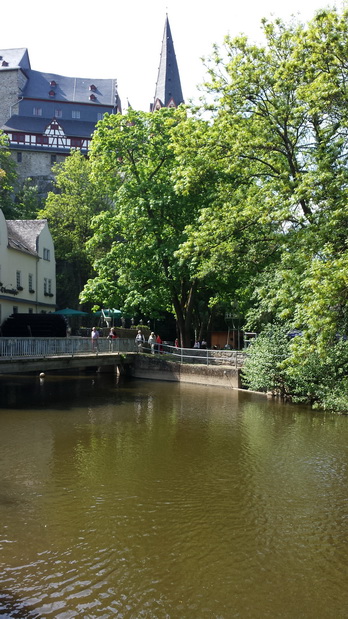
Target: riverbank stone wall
<point>156,368</point>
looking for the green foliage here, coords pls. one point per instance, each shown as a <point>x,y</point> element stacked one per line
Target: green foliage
<point>274,155</point>
<point>28,202</point>
<point>7,178</point>
<point>290,368</point>
<point>278,147</point>
<point>264,366</point>
<point>135,246</point>
<point>69,212</point>
<point>319,377</point>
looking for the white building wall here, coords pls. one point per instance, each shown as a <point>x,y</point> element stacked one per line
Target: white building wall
<point>11,261</point>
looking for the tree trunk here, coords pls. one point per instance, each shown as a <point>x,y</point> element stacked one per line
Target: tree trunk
<point>183,312</point>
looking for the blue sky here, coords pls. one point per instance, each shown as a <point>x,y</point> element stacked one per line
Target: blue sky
<point>82,39</point>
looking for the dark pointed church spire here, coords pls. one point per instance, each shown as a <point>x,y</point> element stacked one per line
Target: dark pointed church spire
<point>168,88</point>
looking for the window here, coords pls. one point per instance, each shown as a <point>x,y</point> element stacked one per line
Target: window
<point>30,282</point>
<point>41,139</point>
<point>19,157</point>
<point>15,309</point>
<point>58,113</point>
<point>30,311</point>
<point>53,83</point>
<point>18,137</point>
<point>75,114</point>
<point>18,279</point>
<point>53,159</point>
<point>46,254</point>
<point>45,285</point>
<point>49,286</point>
<point>76,142</point>
<point>100,116</point>
<point>37,111</point>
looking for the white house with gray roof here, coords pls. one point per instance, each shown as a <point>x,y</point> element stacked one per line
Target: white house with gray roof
<point>45,115</point>
<point>27,267</point>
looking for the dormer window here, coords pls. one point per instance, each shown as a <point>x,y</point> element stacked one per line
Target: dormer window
<point>4,63</point>
<point>93,88</point>
<point>92,97</point>
<point>52,93</point>
<point>53,83</point>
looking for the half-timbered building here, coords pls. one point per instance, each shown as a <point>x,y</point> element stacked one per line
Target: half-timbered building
<point>46,115</point>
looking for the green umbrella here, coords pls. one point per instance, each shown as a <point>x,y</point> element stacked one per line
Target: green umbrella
<point>70,312</point>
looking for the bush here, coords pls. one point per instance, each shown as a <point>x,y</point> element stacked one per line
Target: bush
<point>296,370</point>
<point>264,366</point>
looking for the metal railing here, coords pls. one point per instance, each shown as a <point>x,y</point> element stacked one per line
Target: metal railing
<point>204,356</point>
<point>46,347</point>
<point>11,347</point>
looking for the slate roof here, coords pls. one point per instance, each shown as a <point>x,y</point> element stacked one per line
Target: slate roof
<point>168,84</point>
<point>34,124</point>
<point>14,59</point>
<point>23,234</point>
<point>70,89</point>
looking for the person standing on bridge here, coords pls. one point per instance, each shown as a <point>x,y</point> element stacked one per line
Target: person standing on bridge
<point>152,342</point>
<point>95,338</point>
<point>139,340</point>
<point>159,343</point>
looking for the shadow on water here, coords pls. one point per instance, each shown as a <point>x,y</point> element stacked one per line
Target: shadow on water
<point>12,607</point>
<point>54,390</point>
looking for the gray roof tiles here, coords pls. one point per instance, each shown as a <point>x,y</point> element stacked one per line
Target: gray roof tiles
<point>23,234</point>
<point>168,86</point>
<point>71,89</point>
<point>14,59</point>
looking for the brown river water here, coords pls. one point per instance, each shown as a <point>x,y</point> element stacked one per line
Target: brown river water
<point>166,501</point>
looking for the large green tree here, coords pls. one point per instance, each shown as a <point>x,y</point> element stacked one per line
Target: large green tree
<point>136,243</point>
<point>276,148</point>
<point>69,211</point>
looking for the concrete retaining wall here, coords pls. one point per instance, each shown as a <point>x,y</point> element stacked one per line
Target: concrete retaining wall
<point>155,368</point>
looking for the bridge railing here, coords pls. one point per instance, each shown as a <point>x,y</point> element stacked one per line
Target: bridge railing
<point>11,347</point>
<point>44,347</point>
<point>204,356</point>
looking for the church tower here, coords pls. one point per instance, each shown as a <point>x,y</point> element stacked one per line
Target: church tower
<point>168,87</point>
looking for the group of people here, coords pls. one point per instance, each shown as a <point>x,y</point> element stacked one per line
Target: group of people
<point>154,341</point>
<point>95,336</point>
<point>198,344</point>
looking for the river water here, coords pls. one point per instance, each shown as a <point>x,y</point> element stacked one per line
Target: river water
<point>159,500</point>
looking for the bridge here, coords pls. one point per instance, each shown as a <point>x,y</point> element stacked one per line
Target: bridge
<point>23,355</point>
